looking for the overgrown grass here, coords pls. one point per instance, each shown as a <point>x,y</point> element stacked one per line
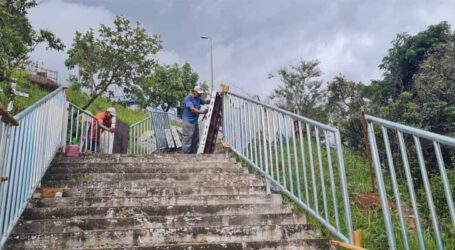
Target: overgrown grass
<point>370,220</point>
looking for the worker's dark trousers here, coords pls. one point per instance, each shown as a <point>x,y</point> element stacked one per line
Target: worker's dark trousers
<point>190,139</point>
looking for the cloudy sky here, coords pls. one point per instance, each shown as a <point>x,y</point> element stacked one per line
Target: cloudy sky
<point>253,38</point>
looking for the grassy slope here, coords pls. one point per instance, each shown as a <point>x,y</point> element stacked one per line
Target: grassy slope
<point>125,114</point>
<point>21,102</point>
<point>77,97</point>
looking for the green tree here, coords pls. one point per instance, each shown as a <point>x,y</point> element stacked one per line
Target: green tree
<point>435,87</point>
<point>344,99</point>
<point>167,86</point>
<point>404,58</point>
<point>120,56</point>
<point>300,91</point>
<point>18,40</point>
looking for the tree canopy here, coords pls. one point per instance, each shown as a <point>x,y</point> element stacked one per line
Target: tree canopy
<point>300,91</point>
<point>167,86</point>
<point>18,39</point>
<point>121,56</point>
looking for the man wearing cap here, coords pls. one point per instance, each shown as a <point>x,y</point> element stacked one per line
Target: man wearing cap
<point>104,120</point>
<point>191,111</point>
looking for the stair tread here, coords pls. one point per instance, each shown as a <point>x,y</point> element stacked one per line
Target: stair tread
<point>154,200</point>
<point>163,210</point>
<point>146,237</point>
<point>307,244</point>
<point>161,221</point>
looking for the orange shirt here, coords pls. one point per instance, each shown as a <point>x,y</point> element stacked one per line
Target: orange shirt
<point>100,118</point>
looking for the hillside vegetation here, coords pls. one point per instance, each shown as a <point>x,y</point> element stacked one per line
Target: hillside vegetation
<point>74,95</point>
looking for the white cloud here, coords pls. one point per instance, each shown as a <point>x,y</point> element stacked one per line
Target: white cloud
<point>64,19</point>
<point>253,38</point>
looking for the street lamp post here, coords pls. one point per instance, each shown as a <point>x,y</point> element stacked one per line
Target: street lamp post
<point>211,61</point>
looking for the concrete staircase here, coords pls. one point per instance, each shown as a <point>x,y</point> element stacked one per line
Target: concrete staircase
<point>169,201</point>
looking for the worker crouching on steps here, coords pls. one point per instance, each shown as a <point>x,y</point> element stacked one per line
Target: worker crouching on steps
<point>191,111</point>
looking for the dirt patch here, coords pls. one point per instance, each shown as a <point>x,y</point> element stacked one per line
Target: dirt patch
<point>368,201</point>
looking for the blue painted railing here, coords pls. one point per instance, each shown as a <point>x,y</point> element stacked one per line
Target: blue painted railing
<point>26,152</point>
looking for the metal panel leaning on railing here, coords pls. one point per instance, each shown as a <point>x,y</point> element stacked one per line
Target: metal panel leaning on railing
<point>160,123</point>
<point>411,154</point>
<point>26,152</point>
<point>294,153</point>
<point>141,139</point>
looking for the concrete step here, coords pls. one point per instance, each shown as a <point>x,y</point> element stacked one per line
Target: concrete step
<point>176,165</point>
<point>145,168</point>
<point>151,237</point>
<point>152,183</point>
<point>155,201</point>
<point>165,191</point>
<point>109,177</point>
<point>307,244</point>
<point>77,225</point>
<point>135,211</point>
<point>144,158</point>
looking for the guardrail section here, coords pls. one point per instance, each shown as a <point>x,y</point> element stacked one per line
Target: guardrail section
<point>26,152</point>
<point>404,160</point>
<point>302,157</point>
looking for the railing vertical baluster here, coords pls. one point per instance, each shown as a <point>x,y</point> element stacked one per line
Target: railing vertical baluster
<point>255,147</point>
<point>97,130</point>
<point>410,185</point>
<point>445,181</point>
<point>12,183</point>
<point>381,188</point>
<point>77,124</point>
<point>396,191</point>
<point>344,186</point>
<point>275,136</point>
<point>22,166</point>
<point>266,160</point>
<point>71,125</point>
<point>297,174</point>
<point>321,173</point>
<point>81,140</point>
<point>288,151</point>
<point>260,129</point>
<point>269,136</point>
<point>426,186</point>
<point>332,182</point>
<point>313,176</point>
<point>250,134</point>
<point>243,128</point>
<point>283,167</point>
<point>302,152</point>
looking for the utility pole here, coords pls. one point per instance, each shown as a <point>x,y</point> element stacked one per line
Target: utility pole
<point>211,61</point>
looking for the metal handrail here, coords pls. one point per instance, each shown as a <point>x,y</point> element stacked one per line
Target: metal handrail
<point>26,152</point>
<point>390,157</point>
<point>273,141</point>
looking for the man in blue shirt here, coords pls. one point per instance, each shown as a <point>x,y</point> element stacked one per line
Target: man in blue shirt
<point>191,111</point>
